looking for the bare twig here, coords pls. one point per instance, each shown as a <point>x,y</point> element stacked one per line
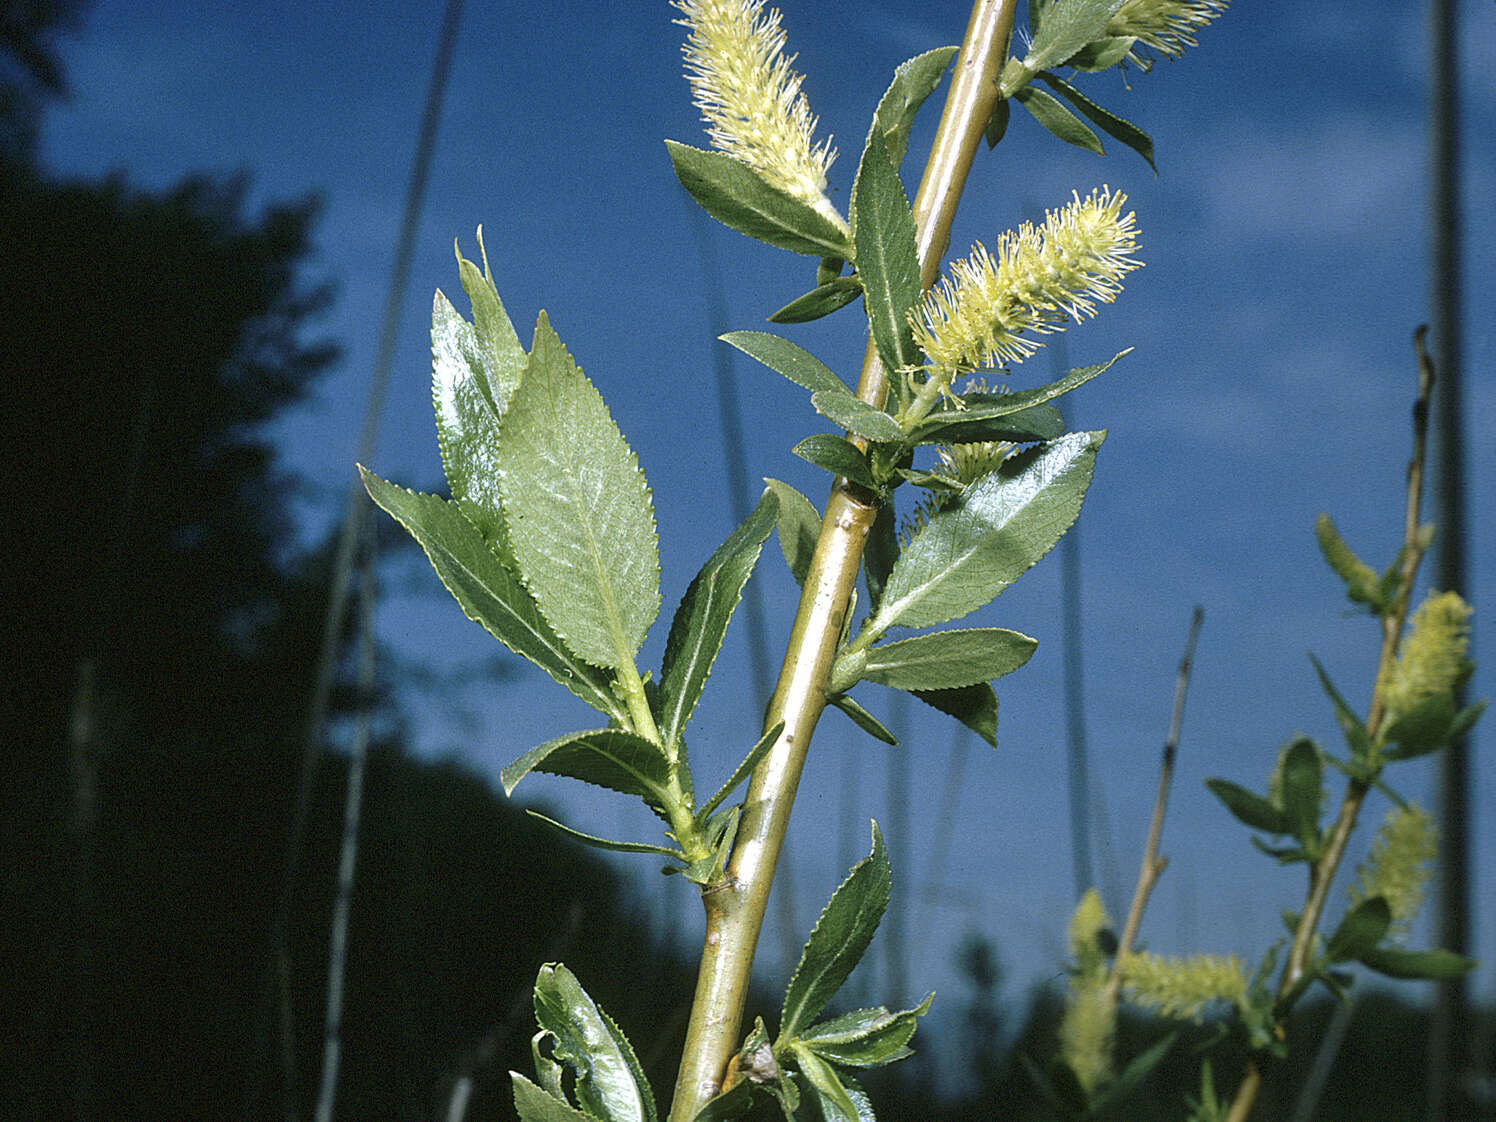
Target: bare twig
<point>1153,865</point>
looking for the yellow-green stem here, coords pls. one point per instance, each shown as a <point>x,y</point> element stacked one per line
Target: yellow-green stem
<point>735,908</point>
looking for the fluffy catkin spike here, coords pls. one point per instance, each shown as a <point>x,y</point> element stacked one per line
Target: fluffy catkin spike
<point>1086,1032</point>
<point>751,99</point>
<point>1397,868</point>
<point>1086,925</point>
<point>1183,987</point>
<point>1166,26</point>
<point>1432,659</point>
<point>991,305</point>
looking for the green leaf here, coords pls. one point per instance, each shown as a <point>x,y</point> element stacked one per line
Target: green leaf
<point>1037,422</point>
<point>610,1083</point>
<point>948,659</point>
<point>1363,927</point>
<point>702,619</point>
<point>1135,1072</point>
<point>880,553</point>
<point>534,1105</point>
<point>862,718</point>
<point>887,260</point>
<point>1249,809</point>
<point>1362,584</point>
<point>997,124</point>
<point>835,455</point>
<point>913,82</point>
<point>487,591</point>
<point>799,526</point>
<point>856,416</point>
<point>1460,724</point>
<point>1050,112</point>
<point>742,771</point>
<point>467,416</point>
<point>1435,965</point>
<point>866,1037</point>
<point>499,350</point>
<point>824,1085</point>
<point>975,706</point>
<point>780,355</point>
<point>1102,54</point>
<point>604,843</point>
<point>819,301</point>
<point>1421,729</point>
<point>1356,736</point>
<point>579,515</point>
<point>1303,791</point>
<point>991,534</point>
<point>735,195</point>
<point>611,758</point>
<point>840,937</point>
<point>985,406</point>
<point>1108,122</point>
<point>730,1104</point>
<point>1068,25</point>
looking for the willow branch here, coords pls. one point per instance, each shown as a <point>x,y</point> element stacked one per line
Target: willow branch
<point>735,908</point>
<point>1322,872</point>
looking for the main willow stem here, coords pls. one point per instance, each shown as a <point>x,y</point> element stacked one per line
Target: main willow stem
<point>735,908</point>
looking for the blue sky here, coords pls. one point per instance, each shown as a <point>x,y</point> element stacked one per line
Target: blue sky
<point>1285,243</point>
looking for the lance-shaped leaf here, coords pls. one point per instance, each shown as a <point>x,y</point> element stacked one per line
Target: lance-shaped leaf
<point>467,417</point>
<point>578,511</point>
<point>887,261</point>
<point>799,525</point>
<point>835,455</point>
<point>1248,808</point>
<point>790,359</point>
<point>866,1037</point>
<point>1067,26</point>
<point>913,82</point>
<point>1135,1072</point>
<point>487,591</point>
<point>534,1105</point>
<point>1050,112</point>
<point>1429,727</point>
<point>824,1086</point>
<point>1118,128</point>
<point>1355,732</point>
<point>1436,965</point>
<point>1037,422</point>
<point>1303,791</point>
<point>741,772</point>
<point>1363,927</point>
<point>880,554</point>
<point>732,193</point>
<point>609,844</point>
<point>705,611</point>
<point>611,758</point>
<point>819,301</point>
<point>841,935</point>
<point>946,659</point>
<point>610,1082</point>
<point>991,534</point>
<point>856,415</point>
<point>975,706</point>
<point>861,717</point>
<point>977,407</point>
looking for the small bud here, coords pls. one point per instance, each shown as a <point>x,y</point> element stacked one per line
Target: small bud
<point>991,305</point>
<point>1397,868</point>
<point>751,99</point>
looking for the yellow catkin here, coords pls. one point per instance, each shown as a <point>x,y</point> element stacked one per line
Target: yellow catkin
<point>1086,1032</point>
<point>1432,659</point>
<point>1166,26</point>
<point>751,99</point>
<point>1183,987</point>
<point>992,304</point>
<point>1397,868</point>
